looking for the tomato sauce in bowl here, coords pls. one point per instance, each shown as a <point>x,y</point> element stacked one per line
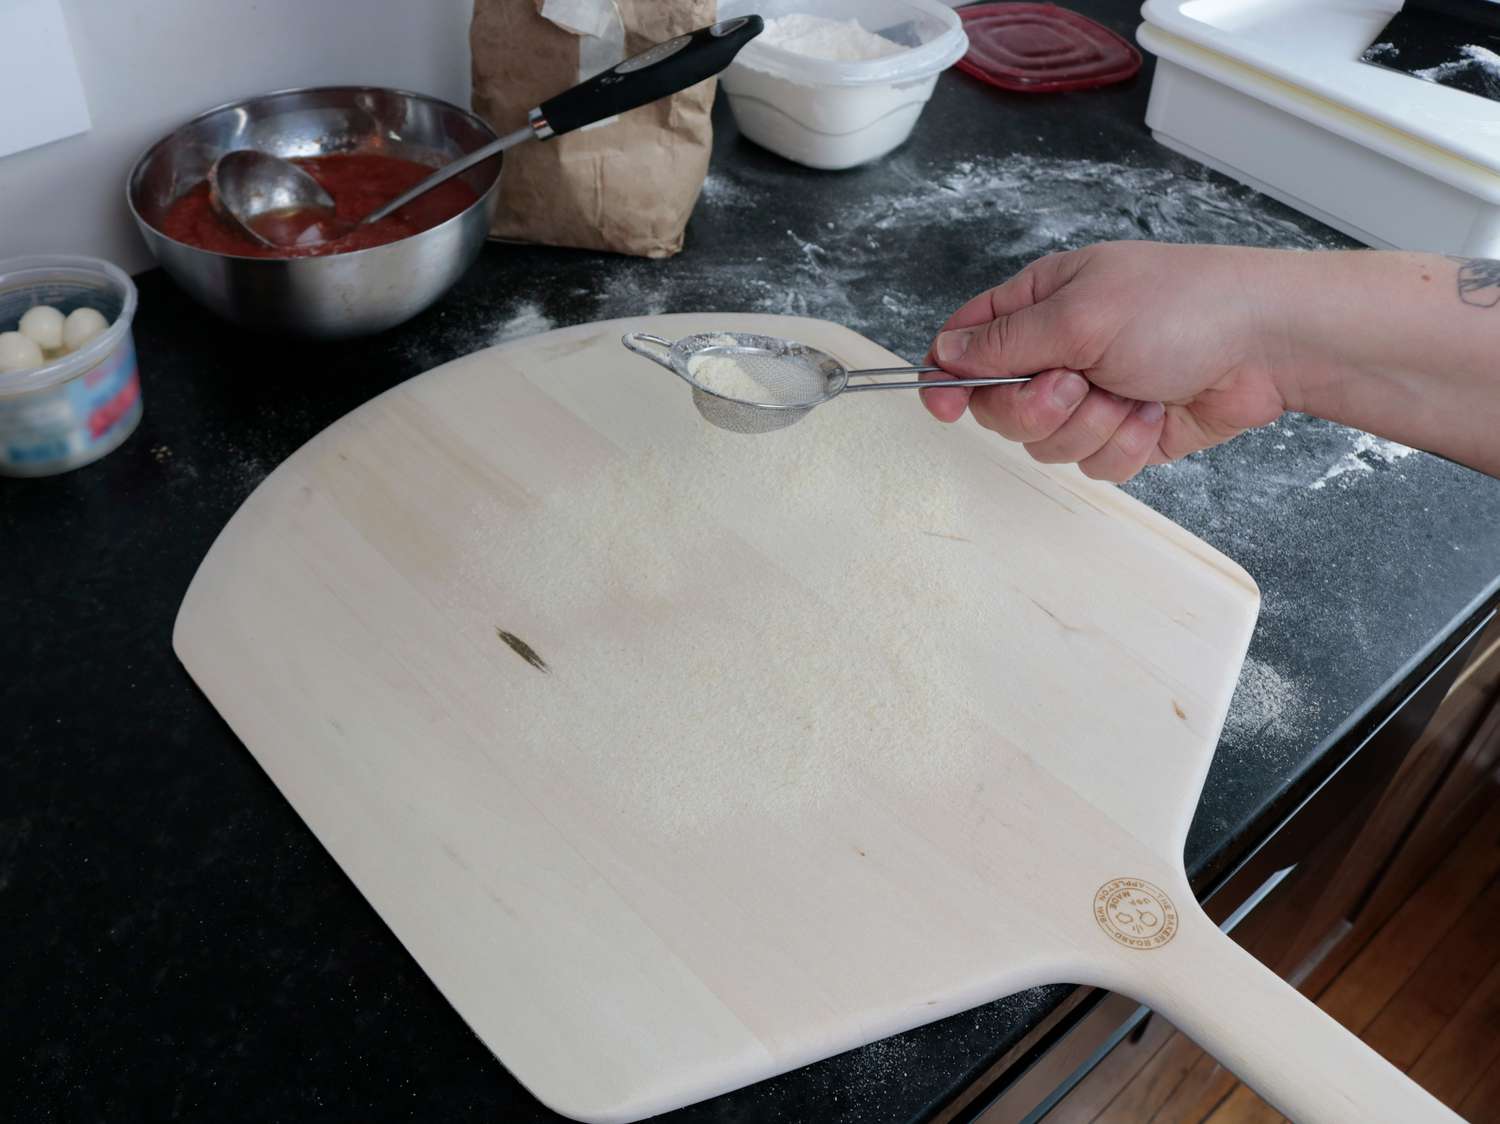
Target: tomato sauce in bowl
<point>359,183</point>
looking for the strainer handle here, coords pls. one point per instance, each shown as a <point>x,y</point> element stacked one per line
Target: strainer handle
<point>923,385</point>
<point>651,347</point>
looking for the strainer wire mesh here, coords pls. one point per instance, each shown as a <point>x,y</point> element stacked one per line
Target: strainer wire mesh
<point>753,384</point>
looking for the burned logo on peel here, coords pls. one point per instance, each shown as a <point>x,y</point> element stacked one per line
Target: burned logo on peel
<point>1134,913</point>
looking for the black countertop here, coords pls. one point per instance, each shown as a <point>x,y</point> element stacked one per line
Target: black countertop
<point>177,946</point>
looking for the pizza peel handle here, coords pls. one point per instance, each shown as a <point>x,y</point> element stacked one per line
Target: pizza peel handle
<point>1268,1034</point>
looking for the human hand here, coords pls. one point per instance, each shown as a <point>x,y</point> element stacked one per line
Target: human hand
<point>1148,352</point>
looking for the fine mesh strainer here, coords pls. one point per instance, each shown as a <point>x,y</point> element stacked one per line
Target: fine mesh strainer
<point>749,383</point>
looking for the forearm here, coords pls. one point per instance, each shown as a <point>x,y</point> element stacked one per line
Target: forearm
<point>1406,346</point>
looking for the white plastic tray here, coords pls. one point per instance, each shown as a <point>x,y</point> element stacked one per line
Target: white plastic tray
<point>1316,46</point>
<point>1336,156</point>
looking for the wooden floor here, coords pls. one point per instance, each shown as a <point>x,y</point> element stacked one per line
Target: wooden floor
<point>1424,991</point>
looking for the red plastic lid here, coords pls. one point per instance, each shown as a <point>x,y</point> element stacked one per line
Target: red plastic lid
<point>1041,48</point>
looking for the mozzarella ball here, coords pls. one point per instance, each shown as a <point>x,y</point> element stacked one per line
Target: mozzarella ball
<point>18,352</point>
<point>45,325</point>
<point>82,325</point>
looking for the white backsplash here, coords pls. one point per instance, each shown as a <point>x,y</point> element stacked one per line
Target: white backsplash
<point>39,74</point>
<point>149,64</point>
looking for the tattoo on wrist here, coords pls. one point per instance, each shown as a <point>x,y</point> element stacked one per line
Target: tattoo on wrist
<point>1479,281</point>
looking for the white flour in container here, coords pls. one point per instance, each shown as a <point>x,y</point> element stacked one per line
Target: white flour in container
<point>823,38</point>
<point>833,94</point>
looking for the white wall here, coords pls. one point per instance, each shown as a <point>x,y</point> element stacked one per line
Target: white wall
<point>147,65</point>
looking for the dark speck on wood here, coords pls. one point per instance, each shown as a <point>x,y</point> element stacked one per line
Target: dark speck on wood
<point>524,650</point>
<point>1066,627</point>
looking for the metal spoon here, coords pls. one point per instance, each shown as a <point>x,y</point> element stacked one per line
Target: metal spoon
<point>272,200</point>
<point>279,204</point>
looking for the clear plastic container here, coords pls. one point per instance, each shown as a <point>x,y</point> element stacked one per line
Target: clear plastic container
<point>76,408</point>
<point>836,114</point>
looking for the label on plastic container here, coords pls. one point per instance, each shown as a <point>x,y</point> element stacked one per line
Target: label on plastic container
<point>60,426</point>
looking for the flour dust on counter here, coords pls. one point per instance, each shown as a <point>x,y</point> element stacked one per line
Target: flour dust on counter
<point>888,1079</point>
<point>1268,499</point>
<point>528,320</point>
<point>248,469</point>
<point>1474,62</point>
<point>721,189</point>
<point>874,1075</point>
<point>1367,451</point>
<point>986,217</point>
<point>466,327</point>
<point>982,218</point>
<point>1267,705</point>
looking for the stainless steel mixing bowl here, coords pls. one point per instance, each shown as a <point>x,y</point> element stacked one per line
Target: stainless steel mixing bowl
<point>339,295</point>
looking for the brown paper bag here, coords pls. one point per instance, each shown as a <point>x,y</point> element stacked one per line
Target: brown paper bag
<point>628,185</point>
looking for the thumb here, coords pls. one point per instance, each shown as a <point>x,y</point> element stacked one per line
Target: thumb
<point>1023,342</point>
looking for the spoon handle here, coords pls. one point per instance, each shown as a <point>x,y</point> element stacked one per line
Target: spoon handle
<point>448,171</point>
<point>656,72</point>
<point>926,385</point>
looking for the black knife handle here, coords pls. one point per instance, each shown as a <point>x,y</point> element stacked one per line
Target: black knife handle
<point>656,72</point>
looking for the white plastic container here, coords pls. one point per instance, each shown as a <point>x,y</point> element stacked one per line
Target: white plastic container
<point>1275,97</point>
<point>836,114</point>
<point>74,409</point>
